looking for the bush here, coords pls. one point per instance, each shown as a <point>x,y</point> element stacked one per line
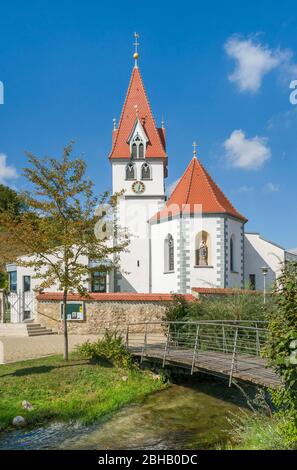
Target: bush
<point>281,349</point>
<point>234,307</point>
<point>110,349</point>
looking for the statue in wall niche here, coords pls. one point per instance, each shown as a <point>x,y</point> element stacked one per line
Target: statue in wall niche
<point>203,254</point>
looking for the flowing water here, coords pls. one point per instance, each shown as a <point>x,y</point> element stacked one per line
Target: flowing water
<point>188,416</point>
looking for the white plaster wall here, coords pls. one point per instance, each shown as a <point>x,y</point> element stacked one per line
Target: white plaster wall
<point>134,211</point>
<point>234,279</point>
<point>154,186</point>
<point>161,281</point>
<point>133,216</point>
<point>35,281</point>
<point>194,276</point>
<point>259,253</point>
<point>206,276</point>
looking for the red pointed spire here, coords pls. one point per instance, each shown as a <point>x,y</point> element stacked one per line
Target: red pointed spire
<point>197,187</point>
<point>137,106</point>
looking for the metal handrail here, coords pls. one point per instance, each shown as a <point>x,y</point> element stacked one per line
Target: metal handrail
<point>230,341</point>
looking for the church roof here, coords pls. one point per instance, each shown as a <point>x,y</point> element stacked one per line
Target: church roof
<point>137,106</point>
<point>194,188</point>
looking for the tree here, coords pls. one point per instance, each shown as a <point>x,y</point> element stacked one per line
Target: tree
<point>281,348</point>
<point>10,200</point>
<point>57,230</point>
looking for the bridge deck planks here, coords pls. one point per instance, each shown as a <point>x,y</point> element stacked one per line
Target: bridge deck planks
<point>247,368</point>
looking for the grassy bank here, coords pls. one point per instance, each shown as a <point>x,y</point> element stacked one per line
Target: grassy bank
<point>77,390</point>
<point>258,432</point>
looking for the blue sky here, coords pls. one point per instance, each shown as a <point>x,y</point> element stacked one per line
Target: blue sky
<point>219,72</point>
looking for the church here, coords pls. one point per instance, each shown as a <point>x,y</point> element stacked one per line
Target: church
<point>192,239</point>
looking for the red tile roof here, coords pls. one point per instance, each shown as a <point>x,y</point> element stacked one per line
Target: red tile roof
<point>194,188</point>
<point>223,291</point>
<point>136,96</point>
<point>112,296</point>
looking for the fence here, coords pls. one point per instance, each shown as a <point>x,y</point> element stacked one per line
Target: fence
<point>18,307</point>
<point>219,345</point>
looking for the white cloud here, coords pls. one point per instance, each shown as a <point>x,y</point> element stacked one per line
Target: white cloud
<point>245,189</point>
<point>255,60</point>
<point>271,188</point>
<point>293,250</point>
<point>244,153</point>
<point>6,172</point>
<point>285,119</point>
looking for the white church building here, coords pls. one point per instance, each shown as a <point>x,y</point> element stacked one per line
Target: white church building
<point>193,239</point>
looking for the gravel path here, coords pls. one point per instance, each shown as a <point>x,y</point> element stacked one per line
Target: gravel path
<point>15,348</point>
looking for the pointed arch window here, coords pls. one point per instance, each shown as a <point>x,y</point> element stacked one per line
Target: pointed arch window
<point>137,147</point>
<point>169,253</point>
<point>203,249</point>
<point>140,150</point>
<point>130,171</point>
<point>145,172</point>
<point>232,253</point>
<point>134,151</point>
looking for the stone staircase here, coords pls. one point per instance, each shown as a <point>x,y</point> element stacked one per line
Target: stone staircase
<point>35,329</point>
<point>24,329</point>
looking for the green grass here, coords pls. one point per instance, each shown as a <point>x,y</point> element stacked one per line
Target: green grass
<point>75,391</point>
<point>258,432</point>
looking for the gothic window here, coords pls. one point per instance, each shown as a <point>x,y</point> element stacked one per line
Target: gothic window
<point>140,151</point>
<point>130,171</point>
<point>145,172</point>
<point>137,148</point>
<point>168,253</point>
<point>202,249</point>
<point>232,254</point>
<point>134,151</point>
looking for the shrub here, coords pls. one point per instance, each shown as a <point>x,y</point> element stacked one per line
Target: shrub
<point>110,348</point>
<point>281,349</point>
<point>232,307</point>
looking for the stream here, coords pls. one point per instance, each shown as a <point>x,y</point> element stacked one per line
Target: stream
<point>187,416</point>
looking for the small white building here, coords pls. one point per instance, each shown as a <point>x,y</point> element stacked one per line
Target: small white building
<point>260,252</point>
<point>194,239</point>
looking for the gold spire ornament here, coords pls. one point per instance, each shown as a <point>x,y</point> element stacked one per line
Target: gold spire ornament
<point>136,44</point>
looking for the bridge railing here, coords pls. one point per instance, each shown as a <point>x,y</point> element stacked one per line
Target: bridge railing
<point>236,342</point>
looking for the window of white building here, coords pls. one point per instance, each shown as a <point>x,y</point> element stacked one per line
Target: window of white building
<point>130,171</point>
<point>169,253</point>
<point>232,253</point>
<point>146,172</point>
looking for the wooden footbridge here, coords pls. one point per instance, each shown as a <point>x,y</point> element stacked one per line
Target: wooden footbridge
<point>232,349</point>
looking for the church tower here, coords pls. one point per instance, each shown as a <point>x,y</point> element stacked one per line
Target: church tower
<point>139,168</point>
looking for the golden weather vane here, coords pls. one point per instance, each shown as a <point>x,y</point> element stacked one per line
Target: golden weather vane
<point>136,44</point>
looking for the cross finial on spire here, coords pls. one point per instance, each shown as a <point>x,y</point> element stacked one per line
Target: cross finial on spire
<point>136,44</point>
<point>195,148</point>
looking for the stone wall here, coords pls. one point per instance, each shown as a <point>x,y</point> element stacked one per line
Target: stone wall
<point>99,315</point>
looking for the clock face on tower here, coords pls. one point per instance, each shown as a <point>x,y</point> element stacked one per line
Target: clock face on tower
<point>138,187</point>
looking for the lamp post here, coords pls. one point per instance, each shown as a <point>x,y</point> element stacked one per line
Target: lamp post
<point>264,270</point>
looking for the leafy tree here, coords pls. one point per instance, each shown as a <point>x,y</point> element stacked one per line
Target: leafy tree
<point>57,232</point>
<point>281,347</point>
<point>10,200</point>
